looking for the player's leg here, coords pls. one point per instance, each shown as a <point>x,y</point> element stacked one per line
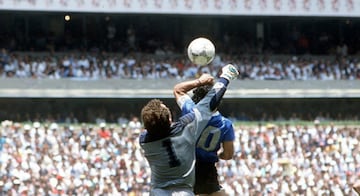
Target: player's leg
<point>206,179</point>
<point>217,193</point>
<point>172,192</point>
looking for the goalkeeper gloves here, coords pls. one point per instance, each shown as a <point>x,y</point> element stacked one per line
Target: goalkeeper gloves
<point>229,72</point>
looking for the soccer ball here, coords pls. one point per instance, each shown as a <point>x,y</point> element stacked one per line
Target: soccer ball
<point>201,51</point>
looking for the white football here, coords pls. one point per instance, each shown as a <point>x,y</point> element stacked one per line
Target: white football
<point>201,51</point>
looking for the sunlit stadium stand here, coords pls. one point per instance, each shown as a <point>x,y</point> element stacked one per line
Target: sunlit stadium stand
<point>295,105</point>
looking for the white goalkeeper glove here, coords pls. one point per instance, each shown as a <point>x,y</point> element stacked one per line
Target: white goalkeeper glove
<point>229,72</point>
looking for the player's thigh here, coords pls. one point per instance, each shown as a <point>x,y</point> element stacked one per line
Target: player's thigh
<point>206,179</point>
<point>172,192</point>
<point>219,193</point>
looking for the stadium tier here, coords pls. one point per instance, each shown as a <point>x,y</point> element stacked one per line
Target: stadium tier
<point>162,88</point>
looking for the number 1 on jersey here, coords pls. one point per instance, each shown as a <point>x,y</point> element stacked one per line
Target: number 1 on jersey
<point>173,160</point>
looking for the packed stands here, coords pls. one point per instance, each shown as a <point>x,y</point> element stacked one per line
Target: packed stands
<point>165,64</point>
<point>47,150</point>
<point>79,159</point>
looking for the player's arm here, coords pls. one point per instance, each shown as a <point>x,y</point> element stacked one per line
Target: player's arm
<point>203,110</point>
<point>228,141</point>
<point>356,187</point>
<point>181,89</point>
<point>229,72</point>
<point>227,152</point>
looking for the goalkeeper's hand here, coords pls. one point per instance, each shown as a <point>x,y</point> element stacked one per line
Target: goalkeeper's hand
<point>229,72</point>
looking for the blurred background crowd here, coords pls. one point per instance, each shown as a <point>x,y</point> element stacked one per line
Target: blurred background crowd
<point>39,158</point>
<point>165,64</point>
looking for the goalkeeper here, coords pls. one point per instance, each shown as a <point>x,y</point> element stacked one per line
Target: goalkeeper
<point>170,147</point>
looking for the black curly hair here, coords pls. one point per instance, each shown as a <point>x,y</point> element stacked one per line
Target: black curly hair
<point>200,92</point>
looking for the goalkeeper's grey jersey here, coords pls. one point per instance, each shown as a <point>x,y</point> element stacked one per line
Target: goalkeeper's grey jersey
<point>172,159</point>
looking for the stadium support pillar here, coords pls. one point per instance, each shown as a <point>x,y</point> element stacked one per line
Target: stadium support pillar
<point>259,30</point>
<point>260,37</point>
<point>26,30</point>
<point>84,31</point>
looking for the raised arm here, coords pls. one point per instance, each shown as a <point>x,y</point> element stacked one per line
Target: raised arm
<point>203,110</point>
<point>229,72</point>
<point>183,88</point>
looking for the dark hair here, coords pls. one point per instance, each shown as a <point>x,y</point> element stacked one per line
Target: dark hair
<point>156,118</point>
<point>200,92</point>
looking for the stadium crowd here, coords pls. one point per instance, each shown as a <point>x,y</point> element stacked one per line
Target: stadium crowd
<point>105,159</point>
<point>165,64</point>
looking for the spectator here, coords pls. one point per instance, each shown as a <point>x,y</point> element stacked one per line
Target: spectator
<point>103,132</point>
<point>134,125</point>
<point>321,158</point>
<point>93,66</point>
